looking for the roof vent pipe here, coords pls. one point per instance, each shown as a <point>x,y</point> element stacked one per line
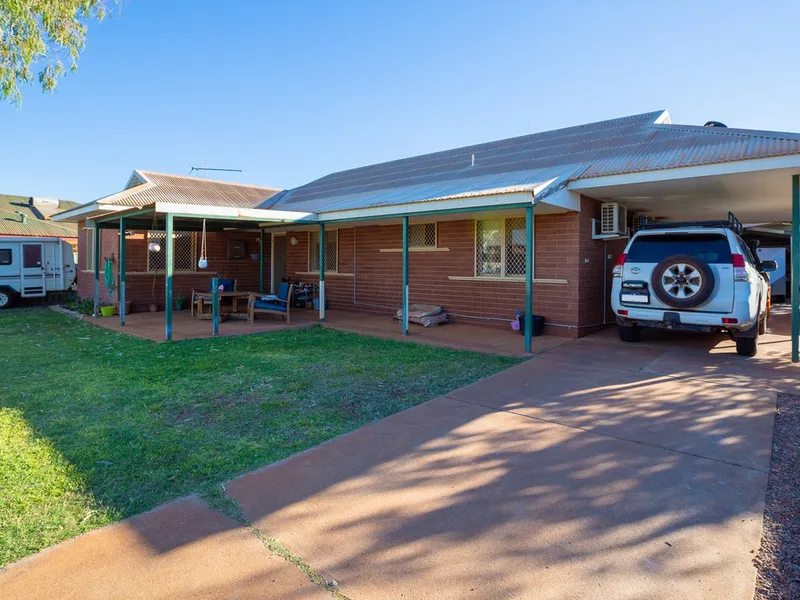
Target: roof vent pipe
<point>715,124</point>
<point>473,160</point>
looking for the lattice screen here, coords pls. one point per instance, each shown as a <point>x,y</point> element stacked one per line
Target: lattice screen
<point>489,247</point>
<point>515,246</point>
<point>331,250</point>
<point>185,247</point>
<point>422,235</point>
<point>500,247</point>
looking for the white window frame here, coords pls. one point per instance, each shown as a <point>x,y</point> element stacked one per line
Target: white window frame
<point>192,262</point>
<point>312,252</point>
<point>435,234</point>
<point>503,250</point>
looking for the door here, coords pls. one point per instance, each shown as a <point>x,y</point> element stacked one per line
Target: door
<point>278,260</point>
<point>32,269</point>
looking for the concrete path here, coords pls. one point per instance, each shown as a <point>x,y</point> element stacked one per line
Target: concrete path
<point>180,551</point>
<point>595,470</point>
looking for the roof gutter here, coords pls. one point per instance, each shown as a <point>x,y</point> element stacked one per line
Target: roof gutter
<point>86,211</point>
<point>431,207</point>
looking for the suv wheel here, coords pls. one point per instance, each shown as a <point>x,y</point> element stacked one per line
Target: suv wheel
<point>629,333</point>
<point>682,281</point>
<point>747,346</point>
<point>7,298</point>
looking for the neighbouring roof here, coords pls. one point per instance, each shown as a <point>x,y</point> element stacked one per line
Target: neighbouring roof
<point>644,142</point>
<point>27,216</point>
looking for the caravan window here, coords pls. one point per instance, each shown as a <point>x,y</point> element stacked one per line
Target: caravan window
<point>31,256</point>
<point>5,257</point>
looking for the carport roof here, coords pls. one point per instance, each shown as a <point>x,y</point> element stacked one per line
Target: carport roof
<point>633,144</point>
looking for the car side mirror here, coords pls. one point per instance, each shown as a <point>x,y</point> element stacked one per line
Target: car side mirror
<point>768,266</point>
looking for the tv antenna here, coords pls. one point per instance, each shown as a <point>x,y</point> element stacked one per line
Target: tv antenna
<point>205,170</point>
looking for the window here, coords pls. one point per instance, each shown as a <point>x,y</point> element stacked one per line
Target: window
<point>712,248</point>
<point>422,235</point>
<point>331,251</point>
<point>5,257</point>
<point>89,266</point>
<point>185,245</point>
<point>31,256</point>
<point>500,247</point>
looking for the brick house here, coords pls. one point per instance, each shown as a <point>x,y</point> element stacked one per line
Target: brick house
<point>475,217</point>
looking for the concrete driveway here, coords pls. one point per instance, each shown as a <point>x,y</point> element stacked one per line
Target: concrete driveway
<point>595,470</point>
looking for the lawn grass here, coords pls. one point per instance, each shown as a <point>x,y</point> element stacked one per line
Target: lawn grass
<point>96,426</point>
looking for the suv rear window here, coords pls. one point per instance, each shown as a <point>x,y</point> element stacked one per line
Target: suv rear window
<point>711,248</point>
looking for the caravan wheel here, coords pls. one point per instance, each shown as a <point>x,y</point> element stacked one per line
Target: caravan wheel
<point>7,298</point>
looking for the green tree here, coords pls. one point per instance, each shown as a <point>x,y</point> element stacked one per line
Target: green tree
<point>41,35</point>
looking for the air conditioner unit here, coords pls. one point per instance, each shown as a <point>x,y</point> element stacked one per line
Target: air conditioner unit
<point>613,218</point>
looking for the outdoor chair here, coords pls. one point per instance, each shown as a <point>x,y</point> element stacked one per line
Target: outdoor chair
<point>228,285</point>
<point>280,304</point>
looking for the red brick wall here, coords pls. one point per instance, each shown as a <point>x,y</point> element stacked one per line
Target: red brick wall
<point>139,283</point>
<point>593,255</point>
<point>378,275</point>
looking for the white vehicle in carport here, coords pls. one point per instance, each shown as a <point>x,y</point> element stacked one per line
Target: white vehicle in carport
<point>697,276</point>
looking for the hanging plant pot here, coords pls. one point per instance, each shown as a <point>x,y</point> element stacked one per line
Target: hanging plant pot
<point>154,247</point>
<point>153,307</point>
<point>203,262</point>
<point>107,311</point>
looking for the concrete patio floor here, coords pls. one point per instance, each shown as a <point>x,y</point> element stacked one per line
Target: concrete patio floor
<point>458,335</point>
<point>595,470</point>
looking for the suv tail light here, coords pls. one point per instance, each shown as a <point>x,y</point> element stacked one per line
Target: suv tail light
<point>739,268</point>
<point>620,263</point>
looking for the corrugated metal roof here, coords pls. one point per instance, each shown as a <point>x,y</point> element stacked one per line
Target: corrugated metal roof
<point>11,221</point>
<point>178,189</point>
<point>631,144</point>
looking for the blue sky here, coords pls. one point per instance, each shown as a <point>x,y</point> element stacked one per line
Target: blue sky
<point>290,91</point>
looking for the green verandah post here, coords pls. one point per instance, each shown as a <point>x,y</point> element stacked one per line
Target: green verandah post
<point>122,271</point>
<point>528,277</point>
<point>405,275</point>
<point>97,234</point>
<point>169,242</point>
<point>261,261</point>
<point>321,272</point>
<point>795,271</point>
<point>214,305</point>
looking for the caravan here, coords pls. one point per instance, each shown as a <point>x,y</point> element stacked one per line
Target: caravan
<point>33,267</point>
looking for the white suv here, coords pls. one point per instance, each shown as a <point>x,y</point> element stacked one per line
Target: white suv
<point>693,276</point>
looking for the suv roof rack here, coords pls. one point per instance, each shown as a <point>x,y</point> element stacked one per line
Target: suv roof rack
<point>732,223</point>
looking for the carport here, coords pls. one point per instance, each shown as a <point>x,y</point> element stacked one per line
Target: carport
<point>762,192</point>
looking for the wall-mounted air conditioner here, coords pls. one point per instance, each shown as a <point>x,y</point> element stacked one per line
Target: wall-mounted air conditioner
<point>613,218</point>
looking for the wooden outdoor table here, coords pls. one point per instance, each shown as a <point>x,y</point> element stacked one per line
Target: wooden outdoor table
<point>202,297</point>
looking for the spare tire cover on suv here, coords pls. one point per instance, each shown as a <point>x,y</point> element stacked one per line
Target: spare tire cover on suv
<point>682,281</point>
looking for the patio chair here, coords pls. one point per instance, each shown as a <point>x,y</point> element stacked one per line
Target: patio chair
<point>228,285</point>
<point>281,305</point>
